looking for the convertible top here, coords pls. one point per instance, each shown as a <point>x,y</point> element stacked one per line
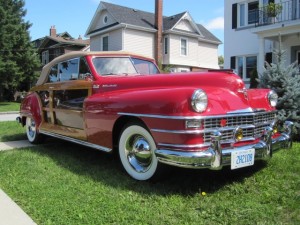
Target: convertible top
<point>76,54</point>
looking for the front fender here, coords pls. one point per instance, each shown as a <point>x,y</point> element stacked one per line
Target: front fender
<point>143,101</point>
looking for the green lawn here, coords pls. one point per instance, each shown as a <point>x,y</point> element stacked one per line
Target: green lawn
<point>9,106</point>
<point>63,183</point>
<point>11,131</point>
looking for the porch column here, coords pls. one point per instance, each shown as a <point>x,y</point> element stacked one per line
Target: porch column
<point>261,55</point>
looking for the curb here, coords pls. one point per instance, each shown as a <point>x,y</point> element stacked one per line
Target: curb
<point>11,213</point>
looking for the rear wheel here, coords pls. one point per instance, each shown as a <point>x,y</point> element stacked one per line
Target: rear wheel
<point>136,151</point>
<point>31,131</point>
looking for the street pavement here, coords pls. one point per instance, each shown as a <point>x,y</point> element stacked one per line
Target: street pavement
<point>10,212</point>
<point>8,116</point>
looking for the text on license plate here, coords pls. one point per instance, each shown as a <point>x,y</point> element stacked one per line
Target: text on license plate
<point>242,158</point>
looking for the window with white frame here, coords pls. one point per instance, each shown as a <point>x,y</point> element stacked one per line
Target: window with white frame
<point>242,14</point>
<point>245,66</point>
<point>166,45</point>
<point>245,13</point>
<point>183,46</point>
<point>104,43</point>
<point>45,57</point>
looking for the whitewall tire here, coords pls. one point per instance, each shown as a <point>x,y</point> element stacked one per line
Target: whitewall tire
<point>31,130</point>
<point>136,151</point>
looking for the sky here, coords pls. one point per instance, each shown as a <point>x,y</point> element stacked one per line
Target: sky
<point>74,16</point>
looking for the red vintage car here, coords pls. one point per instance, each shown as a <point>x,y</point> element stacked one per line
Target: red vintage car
<point>118,101</point>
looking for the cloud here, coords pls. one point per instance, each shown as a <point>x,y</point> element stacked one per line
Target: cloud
<point>215,24</point>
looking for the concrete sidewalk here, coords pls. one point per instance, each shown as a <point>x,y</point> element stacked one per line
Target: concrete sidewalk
<point>8,116</point>
<point>10,212</point>
<point>4,146</point>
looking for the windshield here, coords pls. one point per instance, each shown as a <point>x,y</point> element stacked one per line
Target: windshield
<point>123,66</point>
<point>114,66</point>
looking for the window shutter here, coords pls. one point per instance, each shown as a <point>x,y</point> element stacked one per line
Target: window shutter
<point>232,62</point>
<point>234,16</point>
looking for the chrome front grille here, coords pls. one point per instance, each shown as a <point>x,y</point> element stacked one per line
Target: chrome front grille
<point>253,125</point>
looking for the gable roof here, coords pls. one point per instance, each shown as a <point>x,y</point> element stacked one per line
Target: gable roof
<point>60,41</point>
<point>146,20</point>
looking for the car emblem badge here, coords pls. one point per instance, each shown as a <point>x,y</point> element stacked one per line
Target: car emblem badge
<point>223,122</point>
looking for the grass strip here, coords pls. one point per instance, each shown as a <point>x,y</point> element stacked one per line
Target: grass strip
<point>63,183</point>
<point>9,106</point>
<point>11,131</point>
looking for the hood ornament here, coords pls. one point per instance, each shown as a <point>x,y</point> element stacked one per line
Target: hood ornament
<point>244,92</point>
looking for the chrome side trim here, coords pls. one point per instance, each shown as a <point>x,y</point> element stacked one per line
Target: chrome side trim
<point>178,131</point>
<point>87,144</point>
<point>193,117</point>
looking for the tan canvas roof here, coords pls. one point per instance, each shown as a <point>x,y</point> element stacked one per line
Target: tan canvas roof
<point>76,54</point>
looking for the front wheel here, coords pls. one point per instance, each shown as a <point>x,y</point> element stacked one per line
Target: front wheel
<point>31,130</point>
<point>136,151</point>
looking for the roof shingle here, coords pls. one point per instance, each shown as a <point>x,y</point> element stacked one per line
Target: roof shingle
<point>126,15</point>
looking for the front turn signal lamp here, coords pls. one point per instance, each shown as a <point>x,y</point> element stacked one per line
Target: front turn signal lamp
<point>238,134</point>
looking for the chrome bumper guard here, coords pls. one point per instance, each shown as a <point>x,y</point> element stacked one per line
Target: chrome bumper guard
<point>216,157</point>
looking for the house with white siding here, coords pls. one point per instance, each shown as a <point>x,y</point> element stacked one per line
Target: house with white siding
<point>252,29</point>
<point>174,40</point>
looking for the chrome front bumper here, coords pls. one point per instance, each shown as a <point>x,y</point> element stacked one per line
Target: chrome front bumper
<point>216,157</point>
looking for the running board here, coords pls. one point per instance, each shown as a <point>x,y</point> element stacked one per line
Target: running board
<point>87,144</point>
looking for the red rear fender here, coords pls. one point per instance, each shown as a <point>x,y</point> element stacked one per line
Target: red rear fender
<point>31,107</point>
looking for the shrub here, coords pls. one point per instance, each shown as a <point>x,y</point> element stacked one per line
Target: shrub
<point>285,80</point>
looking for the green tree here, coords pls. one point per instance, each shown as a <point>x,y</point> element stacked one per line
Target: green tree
<point>220,60</point>
<point>18,59</point>
<point>285,80</point>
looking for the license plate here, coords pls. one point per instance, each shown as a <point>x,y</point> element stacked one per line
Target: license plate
<point>242,158</point>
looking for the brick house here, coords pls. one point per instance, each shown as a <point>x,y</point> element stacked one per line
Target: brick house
<point>55,44</point>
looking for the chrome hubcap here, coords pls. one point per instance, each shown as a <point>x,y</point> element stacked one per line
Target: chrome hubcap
<point>138,152</point>
<point>31,128</point>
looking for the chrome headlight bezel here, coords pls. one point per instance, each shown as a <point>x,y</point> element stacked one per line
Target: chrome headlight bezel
<point>199,100</point>
<point>273,98</point>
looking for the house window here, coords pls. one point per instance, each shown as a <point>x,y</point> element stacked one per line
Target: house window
<point>242,16</point>
<point>45,57</point>
<point>183,46</point>
<point>245,66</point>
<point>252,12</point>
<point>105,19</point>
<point>166,45</point>
<point>56,53</point>
<point>247,14</point>
<point>105,43</point>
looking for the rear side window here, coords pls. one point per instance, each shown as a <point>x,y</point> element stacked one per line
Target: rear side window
<point>53,74</point>
<point>68,70</point>
<point>74,69</point>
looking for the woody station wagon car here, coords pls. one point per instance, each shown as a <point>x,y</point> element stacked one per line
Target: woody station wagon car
<point>118,101</point>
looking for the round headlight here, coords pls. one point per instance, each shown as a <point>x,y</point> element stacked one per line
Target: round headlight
<point>273,98</point>
<point>199,100</point>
